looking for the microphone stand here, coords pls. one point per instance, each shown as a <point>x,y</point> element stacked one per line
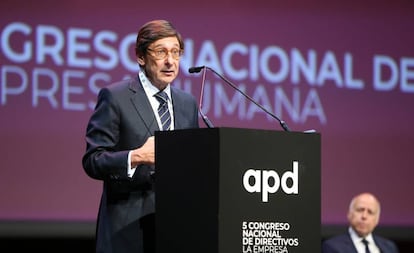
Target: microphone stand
<point>197,69</point>
<point>203,116</point>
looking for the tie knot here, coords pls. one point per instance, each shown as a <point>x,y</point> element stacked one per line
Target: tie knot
<point>365,241</point>
<point>162,96</point>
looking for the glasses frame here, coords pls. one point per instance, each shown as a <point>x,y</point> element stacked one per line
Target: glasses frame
<point>162,53</point>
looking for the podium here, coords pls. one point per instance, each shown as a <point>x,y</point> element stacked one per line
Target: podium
<point>231,190</point>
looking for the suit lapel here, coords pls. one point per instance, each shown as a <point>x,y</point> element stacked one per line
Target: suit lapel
<point>142,106</point>
<point>379,243</point>
<point>177,103</point>
<point>350,244</point>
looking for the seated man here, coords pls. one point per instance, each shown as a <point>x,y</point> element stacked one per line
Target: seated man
<point>363,217</point>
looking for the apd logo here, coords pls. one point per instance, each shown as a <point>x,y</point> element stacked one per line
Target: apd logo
<point>262,181</point>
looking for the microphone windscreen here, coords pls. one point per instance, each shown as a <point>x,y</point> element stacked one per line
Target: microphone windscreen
<point>195,69</point>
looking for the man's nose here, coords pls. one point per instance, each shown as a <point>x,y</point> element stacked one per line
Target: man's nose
<point>364,214</point>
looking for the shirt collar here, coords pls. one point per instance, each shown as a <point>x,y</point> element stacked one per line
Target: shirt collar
<point>356,238</point>
<point>149,87</point>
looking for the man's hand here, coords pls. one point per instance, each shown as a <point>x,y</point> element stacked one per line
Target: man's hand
<point>144,154</point>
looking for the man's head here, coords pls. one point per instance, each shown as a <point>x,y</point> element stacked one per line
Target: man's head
<point>158,49</point>
<point>364,213</point>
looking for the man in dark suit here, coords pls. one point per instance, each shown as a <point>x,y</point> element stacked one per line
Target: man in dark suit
<point>363,217</point>
<point>120,144</point>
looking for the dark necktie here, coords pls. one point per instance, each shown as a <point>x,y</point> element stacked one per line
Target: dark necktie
<point>163,111</point>
<point>365,242</point>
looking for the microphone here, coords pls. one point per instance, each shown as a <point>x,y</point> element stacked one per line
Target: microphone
<point>198,69</point>
<point>195,69</point>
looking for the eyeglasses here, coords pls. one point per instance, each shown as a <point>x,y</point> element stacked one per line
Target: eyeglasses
<point>162,53</point>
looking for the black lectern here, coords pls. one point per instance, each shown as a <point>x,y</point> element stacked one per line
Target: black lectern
<point>230,190</point>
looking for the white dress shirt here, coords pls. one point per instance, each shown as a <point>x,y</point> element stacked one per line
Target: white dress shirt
<point>360,246</point>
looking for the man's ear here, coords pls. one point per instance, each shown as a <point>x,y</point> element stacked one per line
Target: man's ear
<point>141,60</point>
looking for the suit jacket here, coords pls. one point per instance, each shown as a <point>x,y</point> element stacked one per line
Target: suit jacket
<point>343,244</point>
<point>123,119</point>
